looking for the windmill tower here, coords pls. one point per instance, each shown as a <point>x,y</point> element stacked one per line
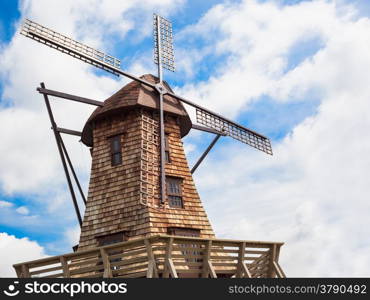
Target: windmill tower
<point>142,204</point>
<point>124,199</point>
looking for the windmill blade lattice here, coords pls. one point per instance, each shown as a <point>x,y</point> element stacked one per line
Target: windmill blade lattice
<point>69,46</point>
<point>235,131</point>
<point>166,54</point>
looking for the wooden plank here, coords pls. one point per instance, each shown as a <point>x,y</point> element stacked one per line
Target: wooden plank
<point>169,246</point>
<point>18,271</point>
<point>206,258</point>
<point>46,270</point>
<point>106,263</point>
<point>271,272</point>
<point>171,268</point>
<point>126,262</point>
<point>25,271</point>
<point>86,269</point>
<point>241,258</point>
<point>130,270</point>
<point>82,263</point>
<point>246,271</point>
<point>279,270</point>
<point>211,270</point>
<point>134,275</point>
<point>152,266</point>
<point>57,275</point>
<point>65,268</point>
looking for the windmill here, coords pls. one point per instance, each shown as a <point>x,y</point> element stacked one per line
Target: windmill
<point>140,124</point>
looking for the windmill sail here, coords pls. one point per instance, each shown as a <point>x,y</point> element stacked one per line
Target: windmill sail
<point>69,46</point>
<point>234,130</point>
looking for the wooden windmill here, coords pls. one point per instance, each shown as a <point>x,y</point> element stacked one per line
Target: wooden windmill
<point>143,214</point>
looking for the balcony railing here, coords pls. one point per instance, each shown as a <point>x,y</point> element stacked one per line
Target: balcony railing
<point>163,256</point>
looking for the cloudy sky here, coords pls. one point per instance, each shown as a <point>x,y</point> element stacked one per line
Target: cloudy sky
<point>296,71</point>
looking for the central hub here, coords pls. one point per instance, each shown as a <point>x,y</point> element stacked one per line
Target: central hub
<point>160,88</point>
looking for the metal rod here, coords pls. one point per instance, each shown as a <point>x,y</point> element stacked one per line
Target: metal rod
<point>72,169</point>
<point>206,129</point>
<point>69,131</point>
<point>161,118</point>
<point>54,126</point>
<point>69,97</point>
<point>205,153</point>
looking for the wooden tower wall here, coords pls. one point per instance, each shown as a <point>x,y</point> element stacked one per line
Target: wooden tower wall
<point>125,198</point>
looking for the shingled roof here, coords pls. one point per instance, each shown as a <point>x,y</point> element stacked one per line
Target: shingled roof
<point>132,95</point>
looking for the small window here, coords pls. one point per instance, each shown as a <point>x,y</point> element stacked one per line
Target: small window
<point>174,192</point>
<point>116,150</point>
<point>167,149</point>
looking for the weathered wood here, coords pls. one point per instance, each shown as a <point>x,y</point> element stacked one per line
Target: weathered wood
<point>271,272</point>
<point>246,271</point>
<point>169,267</point>
<point>279,270</point>
<point>46,270</point>
<point>241,259</point>
<point>211,269</point>
<point>106,263</point>
<point>152,266</point>
<point>206,258</point>
<point>155,255</point>
<point>25,271</point>
<point>18,272</point>
<point>63,262</point>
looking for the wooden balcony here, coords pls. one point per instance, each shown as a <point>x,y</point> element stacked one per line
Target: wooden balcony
<point>163,256</point>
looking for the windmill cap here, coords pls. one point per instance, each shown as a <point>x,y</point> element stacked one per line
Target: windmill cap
<point>136,94</point>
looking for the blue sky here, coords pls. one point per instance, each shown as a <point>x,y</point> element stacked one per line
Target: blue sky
<point>270,65</point>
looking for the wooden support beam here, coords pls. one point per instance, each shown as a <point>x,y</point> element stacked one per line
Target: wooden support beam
<point>242,270</point>
<point>69,131</point>
<point>18,271</point>
<point>169,267</point>
<point>106,263</point>
<point>25,271</point>
<point>152,266</point>
<point>279,271</point>
<point>206,258</point>
<point>212,272</point>
<point>271,271</point>
<point>63,262</point>
<point>43,90</point>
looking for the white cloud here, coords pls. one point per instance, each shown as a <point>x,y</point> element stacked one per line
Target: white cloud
<point>5,203</point>
<point>32,164</point>
<point>312,193</point>
<point>23,210</point>
<point>72,236</point>
<point>14,250</point>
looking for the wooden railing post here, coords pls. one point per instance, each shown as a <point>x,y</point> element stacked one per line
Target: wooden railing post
<point>18,271</point>
<point>208,269</point>
<point>106,263</point>
<point>169,267</point>
<point>271,271</point>
<point>25,272</point>
<point>152,266</point>
<point>63,262</point>
<point>242,270</point>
